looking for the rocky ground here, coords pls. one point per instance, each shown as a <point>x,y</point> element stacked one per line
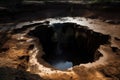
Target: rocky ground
<point>20,54</point>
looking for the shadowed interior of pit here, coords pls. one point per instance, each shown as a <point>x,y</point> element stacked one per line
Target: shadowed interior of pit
<point>68,44</point>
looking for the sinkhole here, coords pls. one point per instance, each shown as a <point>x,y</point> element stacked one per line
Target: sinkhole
<point>68,44</point>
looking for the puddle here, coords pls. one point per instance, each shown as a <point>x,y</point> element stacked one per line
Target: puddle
<point>62,65</point>
<point>68,44</point>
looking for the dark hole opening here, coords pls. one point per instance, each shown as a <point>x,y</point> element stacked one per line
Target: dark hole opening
<point>68,44</point>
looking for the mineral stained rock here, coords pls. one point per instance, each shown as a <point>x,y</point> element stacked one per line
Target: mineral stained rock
<point>29,42</point>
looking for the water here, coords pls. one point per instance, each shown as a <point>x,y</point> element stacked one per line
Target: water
<point>62,65</point>
<point>63,48</point>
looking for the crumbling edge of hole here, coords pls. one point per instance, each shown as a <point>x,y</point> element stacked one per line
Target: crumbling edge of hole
<point>87,29</point>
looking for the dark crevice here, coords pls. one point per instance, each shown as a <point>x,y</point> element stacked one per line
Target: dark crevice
<point>117,39</point>
<point>4,49</point>
<point>24,58</point>
<point>114,49</point>
<point>68,43</point>
<point>31,47</point>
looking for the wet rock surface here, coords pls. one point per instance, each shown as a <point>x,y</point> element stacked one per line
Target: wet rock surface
<point>68,43</point>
